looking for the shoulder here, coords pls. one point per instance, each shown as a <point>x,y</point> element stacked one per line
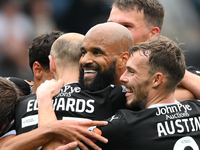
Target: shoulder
<point>27,98</point>
<point>23,85</point>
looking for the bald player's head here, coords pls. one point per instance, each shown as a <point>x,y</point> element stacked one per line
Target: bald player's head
<point>111,34</point>
<point>104,55</point>
<point>66,50</point>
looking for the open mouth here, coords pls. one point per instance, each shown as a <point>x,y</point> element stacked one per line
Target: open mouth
<point>89,73</point>
<point>129,92</point>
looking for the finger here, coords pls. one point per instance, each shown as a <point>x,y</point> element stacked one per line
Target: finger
<point>96,136</point>
<point>82,146</point>
<point>69,146</point>
<point>93,123</point>
<point>89,143</point>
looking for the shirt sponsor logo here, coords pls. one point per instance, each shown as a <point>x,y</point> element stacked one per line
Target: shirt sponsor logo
<point>29,121</point>
<point>67,91</point>
<point>113,117</point>
<point>174,111</point>
<point>177,121</point>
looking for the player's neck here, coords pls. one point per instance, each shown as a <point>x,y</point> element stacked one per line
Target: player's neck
<point>37,83</point>
<point>166,98</point>
<point>69,77</point>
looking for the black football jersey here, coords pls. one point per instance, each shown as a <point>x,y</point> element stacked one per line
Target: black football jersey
<point>22,84</point>
<point>72,103</point>
<point>172,127</point>
<point>194,70</point>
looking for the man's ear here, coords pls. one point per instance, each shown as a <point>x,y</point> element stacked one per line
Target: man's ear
<point>37,70</point>
<point>157,79</point>
<point>52,64</point>
<point>122,59</point>
<point>154,32</point>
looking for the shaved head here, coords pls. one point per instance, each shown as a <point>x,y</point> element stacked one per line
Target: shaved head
<point>104,55</point>
<point>111,34</point>
<point>66,49</point>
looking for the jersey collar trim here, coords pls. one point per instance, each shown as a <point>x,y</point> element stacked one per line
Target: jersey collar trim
<point>166,104</point>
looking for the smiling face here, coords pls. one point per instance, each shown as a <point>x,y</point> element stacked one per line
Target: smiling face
<point>104,55</point>
<point>134,21</point>
<point>137,80</point>
<point>98,60</point>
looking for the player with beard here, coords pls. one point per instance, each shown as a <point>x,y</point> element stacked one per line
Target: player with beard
<point>74,102</point>
<point>102,79</point>
<point>104,55</point>
<point>77,102</point>
<point>26,110</point>
<point>163,123</point>
<point>144,19</point>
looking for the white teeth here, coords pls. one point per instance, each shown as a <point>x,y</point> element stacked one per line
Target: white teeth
<point>89,71</point>
<point>129,91</point>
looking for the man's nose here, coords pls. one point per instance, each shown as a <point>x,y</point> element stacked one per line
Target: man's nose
<point>87,59</point>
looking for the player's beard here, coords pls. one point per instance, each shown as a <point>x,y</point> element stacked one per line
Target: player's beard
<point>140,96</point>
<point>102,79</point>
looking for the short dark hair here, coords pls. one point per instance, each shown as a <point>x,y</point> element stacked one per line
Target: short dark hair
<point>40,48</point>
<point>9,96</point>
<point>153,10</point>
<point>164,56</point>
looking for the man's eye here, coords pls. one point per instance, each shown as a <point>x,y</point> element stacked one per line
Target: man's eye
<point>127,26</point>
<point>83,53</point>
<point>97,52</point>
<point>131,71</point>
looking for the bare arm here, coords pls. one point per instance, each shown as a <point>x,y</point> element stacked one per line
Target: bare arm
<point>190,88</point>
<point>45,92</point>
<point>30,140</point>
<point>66,129</point>
<point>46,113</point>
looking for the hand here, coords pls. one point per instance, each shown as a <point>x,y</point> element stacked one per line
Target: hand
<point>45,93</point>
<point>49,88</point>
<point>69,146</point>
<point>71,130</point>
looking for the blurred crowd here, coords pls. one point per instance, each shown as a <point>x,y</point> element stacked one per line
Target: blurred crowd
<point>23,20</point>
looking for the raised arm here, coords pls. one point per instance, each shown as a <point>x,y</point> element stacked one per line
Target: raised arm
<point>189,87</point>
<point>76,129</point>
<point>45,108</point>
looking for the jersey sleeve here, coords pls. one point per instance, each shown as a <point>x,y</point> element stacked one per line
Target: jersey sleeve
<point>116,128</point>
<point>117,96</point>
<point>22,84</point>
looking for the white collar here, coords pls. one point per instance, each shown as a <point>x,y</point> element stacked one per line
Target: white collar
<point>163,104</point>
